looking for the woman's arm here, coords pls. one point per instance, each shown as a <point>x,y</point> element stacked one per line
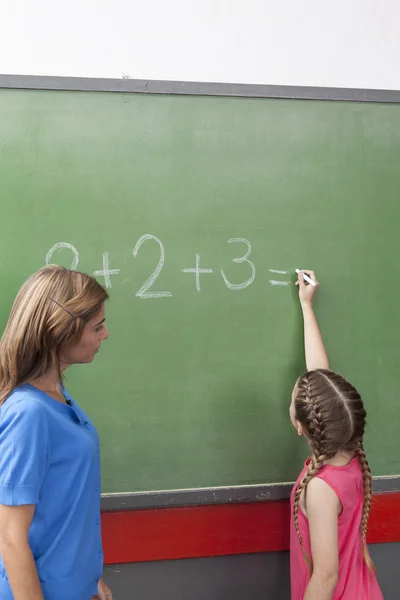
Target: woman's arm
<point>16,553</point>
<point>323,508</point>
<point>316,356</point>
<point>104,592</point>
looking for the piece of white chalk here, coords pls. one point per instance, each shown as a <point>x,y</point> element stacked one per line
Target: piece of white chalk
<point>306,278</point>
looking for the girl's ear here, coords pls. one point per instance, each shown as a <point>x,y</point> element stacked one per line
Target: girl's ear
<point>300,428</point>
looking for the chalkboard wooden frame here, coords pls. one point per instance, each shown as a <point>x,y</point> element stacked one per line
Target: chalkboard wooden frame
<point>220,495</point>
<point>144,86</point>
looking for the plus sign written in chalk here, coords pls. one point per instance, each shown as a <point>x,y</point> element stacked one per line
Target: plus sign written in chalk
<point>105,271</point>
<point>198,271</point>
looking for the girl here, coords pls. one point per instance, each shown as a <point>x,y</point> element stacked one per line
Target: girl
<point>50,539</point>
<point>331,500</point>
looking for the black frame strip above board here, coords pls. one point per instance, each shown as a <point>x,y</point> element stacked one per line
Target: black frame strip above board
<point>219,495</point>
<point>144,86</point>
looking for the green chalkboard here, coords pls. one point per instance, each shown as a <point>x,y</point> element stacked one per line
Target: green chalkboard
<point>193,386</point>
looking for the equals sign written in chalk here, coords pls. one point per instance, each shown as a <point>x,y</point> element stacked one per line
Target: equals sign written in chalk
<point>278,282</point>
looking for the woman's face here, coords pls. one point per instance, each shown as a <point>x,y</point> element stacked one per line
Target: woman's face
<point>85,350</point>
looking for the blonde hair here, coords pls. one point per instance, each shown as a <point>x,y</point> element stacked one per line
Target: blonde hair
<point>332,413</point>
<point>49,312</point>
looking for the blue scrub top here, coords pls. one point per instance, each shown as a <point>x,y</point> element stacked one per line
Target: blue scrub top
<point>50,457</point>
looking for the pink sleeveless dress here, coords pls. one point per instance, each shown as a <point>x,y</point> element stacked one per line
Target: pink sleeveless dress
<point>355,581</point>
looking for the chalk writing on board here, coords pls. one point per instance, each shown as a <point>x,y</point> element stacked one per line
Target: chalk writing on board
<point>106,272</point>
<point>198,271</point>
<point>278,271</point>
<point>75,261</point>
<point>281,277</point>
<point>143,293</point>
<point>243,259</point>
<point>278,281</point>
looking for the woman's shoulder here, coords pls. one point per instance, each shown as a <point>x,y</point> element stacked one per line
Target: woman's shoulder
<point>21,400</point>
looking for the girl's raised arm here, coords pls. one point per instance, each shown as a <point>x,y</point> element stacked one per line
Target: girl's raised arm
<point>315,352</point>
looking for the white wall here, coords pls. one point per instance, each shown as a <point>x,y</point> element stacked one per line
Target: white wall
<point>344,43</point>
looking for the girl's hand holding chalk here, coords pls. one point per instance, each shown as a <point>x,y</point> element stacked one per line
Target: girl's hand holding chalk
<point>307,277</point>
<point>308,285</point>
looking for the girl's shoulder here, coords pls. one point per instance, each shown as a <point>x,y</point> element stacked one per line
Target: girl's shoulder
<point>346,481</point>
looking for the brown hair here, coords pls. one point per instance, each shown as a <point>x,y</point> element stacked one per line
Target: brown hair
<point>49,311</point>
<point>332,413</point>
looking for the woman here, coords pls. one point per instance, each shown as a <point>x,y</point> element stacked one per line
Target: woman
<point>50,535</point>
